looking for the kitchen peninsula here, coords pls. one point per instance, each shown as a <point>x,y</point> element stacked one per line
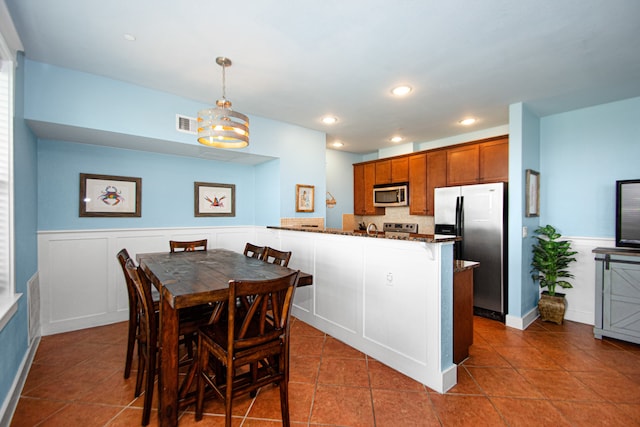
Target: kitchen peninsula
<point>389,297</point>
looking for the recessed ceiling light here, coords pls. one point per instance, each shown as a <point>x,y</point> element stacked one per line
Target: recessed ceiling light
<point>396,139</point>
<point>329,120</point>
<point>401,90</point>
<point>468,121</point>
<point>129,37</point>
<point>337,144</point>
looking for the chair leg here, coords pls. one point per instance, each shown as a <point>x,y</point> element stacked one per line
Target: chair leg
<point>200,383</point>
<point>228,400</point>
<point>131,343</point>
<point>284,403</point>
<point>142,366</point>
<point>148,393</point>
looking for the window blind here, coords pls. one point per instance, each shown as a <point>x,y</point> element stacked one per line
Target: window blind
<point>5,151</point>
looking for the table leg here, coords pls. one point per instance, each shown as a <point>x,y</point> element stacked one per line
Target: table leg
<point>168,377</point>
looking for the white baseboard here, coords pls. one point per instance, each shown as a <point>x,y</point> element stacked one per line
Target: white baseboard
<point>521,323</point>
<point>11,402</point>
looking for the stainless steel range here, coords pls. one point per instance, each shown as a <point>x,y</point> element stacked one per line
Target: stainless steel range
<point>399,229</point>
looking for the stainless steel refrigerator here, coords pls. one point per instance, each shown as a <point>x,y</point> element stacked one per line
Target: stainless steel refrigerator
<point>477,213</point>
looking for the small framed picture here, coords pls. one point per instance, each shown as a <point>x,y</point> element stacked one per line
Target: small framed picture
<point>110,196</point>
<point>304,198</point>
<point>532,192</point>
<point>214,199</point>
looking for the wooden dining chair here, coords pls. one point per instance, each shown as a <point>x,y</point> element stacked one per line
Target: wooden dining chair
<point>275,256</point>
<point>147,337</point>
<point>195,245</point>
<point>248,338</point>
<point>254,251</point>
<point>123,257</point>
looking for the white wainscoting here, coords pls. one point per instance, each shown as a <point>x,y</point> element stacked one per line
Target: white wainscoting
<point>81,282</point>
<point>581,298</point>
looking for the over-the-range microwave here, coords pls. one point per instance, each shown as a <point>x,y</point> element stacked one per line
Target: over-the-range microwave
<point>385,195</point>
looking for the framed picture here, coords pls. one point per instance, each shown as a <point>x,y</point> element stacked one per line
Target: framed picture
<point>212,199</point>
<point>532,207</point>
<point>110,196</point>
<point>304,198</point>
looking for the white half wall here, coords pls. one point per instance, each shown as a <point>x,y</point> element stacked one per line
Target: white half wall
<point>81,282</point>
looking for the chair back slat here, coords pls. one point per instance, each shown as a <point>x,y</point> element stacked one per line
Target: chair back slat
<point>146,309</point>
<point>123,257</point>
<point>264,315</point>
<point>274,256</point>
<point>194,245</point>
<point>254,251</point>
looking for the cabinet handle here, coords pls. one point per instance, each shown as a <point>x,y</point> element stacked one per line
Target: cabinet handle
<point>607,260</point>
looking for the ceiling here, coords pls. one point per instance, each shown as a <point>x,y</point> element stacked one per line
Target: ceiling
<point>296,61</point>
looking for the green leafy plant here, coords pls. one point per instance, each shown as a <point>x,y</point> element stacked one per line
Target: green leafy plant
<point>551,258</point>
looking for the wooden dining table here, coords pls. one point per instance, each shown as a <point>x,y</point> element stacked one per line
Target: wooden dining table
<point>189,279</point>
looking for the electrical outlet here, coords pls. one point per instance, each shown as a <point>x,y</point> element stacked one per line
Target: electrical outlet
<point>525,231</point>
<point>389,279</point>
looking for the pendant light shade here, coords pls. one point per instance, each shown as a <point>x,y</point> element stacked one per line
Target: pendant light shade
<point>220,126</point>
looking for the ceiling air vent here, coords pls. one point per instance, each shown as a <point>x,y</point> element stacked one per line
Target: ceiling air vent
<point>186,124</point>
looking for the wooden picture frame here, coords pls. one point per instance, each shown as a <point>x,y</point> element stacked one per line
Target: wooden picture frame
<point>213,199</point>
<point>110,196</point>
<point>305,198</point>
<point>532,194</point>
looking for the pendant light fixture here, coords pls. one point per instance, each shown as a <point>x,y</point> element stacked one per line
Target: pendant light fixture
<point>220,126</point>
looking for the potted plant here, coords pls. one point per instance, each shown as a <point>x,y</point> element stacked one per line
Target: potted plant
<point>551,259</point>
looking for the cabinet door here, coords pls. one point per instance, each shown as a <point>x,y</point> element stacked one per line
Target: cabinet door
<point>494,161</point>
<point>436,176</point>
<point>463,165</point>
<point>462,314</point>
<point>400,169</point>
<point>621,299</point>
<point>369,180</point>
<point>383,172</point>
<point>358,190</point>
<point>418,184</point>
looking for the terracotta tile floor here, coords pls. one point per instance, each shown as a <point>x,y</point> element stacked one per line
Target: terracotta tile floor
<point>547,375</point>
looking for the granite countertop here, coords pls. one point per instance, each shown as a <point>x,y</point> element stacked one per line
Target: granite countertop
<point>427,238</point>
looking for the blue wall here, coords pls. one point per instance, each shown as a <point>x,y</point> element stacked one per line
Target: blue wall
<point>167,186</point>
<point>524,143</point>
<point>73,100</point>
<point>14,336</point>
<point>579,154</point>
<point>340,185</point>
<point>582,154</point>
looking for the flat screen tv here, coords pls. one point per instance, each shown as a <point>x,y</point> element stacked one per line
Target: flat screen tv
<point>628,213</point>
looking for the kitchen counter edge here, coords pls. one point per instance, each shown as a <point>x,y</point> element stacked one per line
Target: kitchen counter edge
<point>427,238</point>
<point>462,265</point>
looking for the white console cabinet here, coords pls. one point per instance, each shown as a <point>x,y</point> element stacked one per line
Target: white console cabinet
<point>617,310</point>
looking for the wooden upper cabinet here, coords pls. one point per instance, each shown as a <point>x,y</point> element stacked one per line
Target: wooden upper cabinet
<point>358,190</point>
<point>364,176</point>
<point>463,165</point>
<point>436,175</point>
<point>392,170</point>
<point>400,169</point>
<point>471,163</point>
<point>482,162</point>
<point>494,161</point>
<point>418,184</point>
<point>383,171</point>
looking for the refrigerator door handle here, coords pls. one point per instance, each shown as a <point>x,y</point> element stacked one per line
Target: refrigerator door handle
<point>460,216</point>
<point>459,227</point>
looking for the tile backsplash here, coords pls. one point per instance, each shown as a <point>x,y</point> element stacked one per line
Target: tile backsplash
<point>399,214</point>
